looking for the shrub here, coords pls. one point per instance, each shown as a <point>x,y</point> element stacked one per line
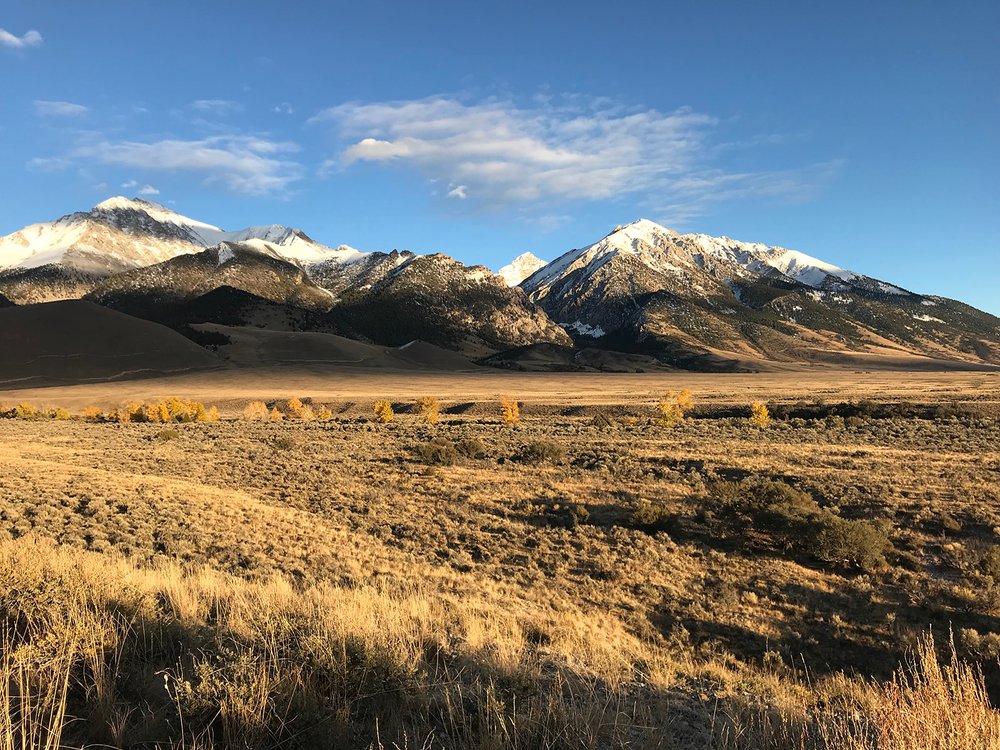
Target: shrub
<point>673,406</point>
<point>256,411</point>
<point>283,443</point>
<point>794,521</point>
<point>439,452</point>
<point>276,414</point>
<point>569,515</point>
<point>58,413</point>
<point>650,517</point>
<point>510,410</point>
<point>429,408</point>
<point>324,413</point>
<point>947,523</point>
<point>990,564</point>
<point>845,542</point>
<point>759,415</point>
<point>601,421</point>
<point>295,408</point>
<point>93,414</point>
<point>166,435</point>
<point>299,410</point>
<point>383,411</point>
<point>158,413</point>
<point>25,410</point>
<point>543,450</point>
<point>471,447</point>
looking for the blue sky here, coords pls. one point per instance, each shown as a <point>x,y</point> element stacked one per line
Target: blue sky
<point>867,134</point>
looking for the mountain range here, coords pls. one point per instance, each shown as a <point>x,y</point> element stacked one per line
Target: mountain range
<point>642,297</point>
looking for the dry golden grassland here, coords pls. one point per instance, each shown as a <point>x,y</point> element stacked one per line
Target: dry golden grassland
<point>589,575</point>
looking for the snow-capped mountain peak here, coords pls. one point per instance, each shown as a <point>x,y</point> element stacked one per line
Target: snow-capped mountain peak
<point>121,233</point>
<point>521,268</point>
<point>138,216</point>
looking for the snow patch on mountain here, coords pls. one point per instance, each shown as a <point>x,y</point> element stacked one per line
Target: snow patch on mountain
<point>225,255</point>
<point>583,329</point>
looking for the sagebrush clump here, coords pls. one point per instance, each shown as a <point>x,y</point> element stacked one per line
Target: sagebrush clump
<point>539,451</point>
<point>793,520</point>
<point>439,452</point>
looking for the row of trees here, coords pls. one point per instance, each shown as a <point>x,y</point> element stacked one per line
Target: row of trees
<point>673,408</point>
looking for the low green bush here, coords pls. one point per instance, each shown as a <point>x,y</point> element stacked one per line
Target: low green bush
<point>471,447</point>
<point>542,451</point>
<point>793,520</point>
<point>438,452</point>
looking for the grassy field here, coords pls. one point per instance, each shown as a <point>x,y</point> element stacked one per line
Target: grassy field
<point>588,577</point>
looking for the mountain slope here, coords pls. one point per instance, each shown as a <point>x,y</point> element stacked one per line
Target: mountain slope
<point>437,299</point>
<point>694,299</point>
<point>252,266</point>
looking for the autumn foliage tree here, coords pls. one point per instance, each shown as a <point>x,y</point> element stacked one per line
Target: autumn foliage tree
<point>383,412</point>
<point>510,410</point>
<point>429,408</point>
<point>673,406</point>
<point>759,415</point>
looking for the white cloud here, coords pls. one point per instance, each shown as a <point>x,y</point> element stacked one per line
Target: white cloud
<point>29,39</point>
<point>129,184</point>
<point>284,109</point>
<point>217,107</point>
<point>553,150</point>
<point>148,190</point>
<point>243,164</point>
<point>59,109</point>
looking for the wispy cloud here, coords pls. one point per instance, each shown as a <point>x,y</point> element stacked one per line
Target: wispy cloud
<point>59,109</point>
<point>248,165</point>
<point>29,39</point>
<point>244,164</point>
<point>217,107</point>
<point>499,153</point>
<point>148,190</point>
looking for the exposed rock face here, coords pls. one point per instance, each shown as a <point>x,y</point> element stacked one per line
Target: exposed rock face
<point>437,299</point>
<point>247,266</point>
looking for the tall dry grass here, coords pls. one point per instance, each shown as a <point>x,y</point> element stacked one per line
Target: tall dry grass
<point>927,705</point>
<point>102,652</point>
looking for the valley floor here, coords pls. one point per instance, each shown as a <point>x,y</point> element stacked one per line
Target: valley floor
<point>587,578</point>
